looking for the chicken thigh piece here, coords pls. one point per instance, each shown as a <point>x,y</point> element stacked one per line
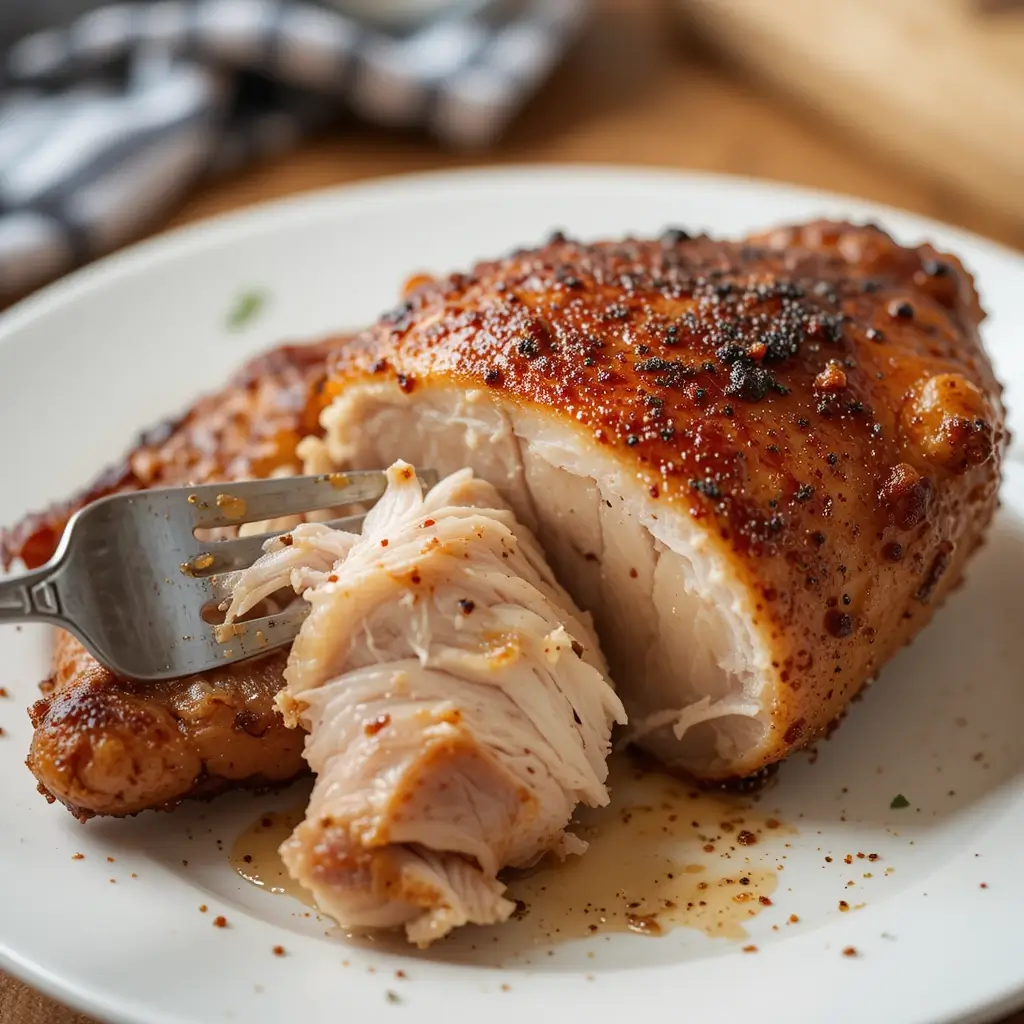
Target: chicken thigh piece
<point>106,746</point>
<point>761,465</point>
<point>456,704</point>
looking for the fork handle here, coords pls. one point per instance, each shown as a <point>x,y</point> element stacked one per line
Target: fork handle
<point>31,597</point>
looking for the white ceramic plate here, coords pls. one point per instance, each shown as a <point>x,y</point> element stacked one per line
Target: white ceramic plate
<point>87,363</point>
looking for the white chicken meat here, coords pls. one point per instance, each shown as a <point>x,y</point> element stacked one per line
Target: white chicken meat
<point>457,705</point>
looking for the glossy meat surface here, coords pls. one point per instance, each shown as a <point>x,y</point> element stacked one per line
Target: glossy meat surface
<point>456,704</point>
<point>812,405</point>
<point>808,412</point>
<point>105,746</point>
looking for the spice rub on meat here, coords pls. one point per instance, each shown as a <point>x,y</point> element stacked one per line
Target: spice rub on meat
<point>103,745</point>
<point>761,465</point>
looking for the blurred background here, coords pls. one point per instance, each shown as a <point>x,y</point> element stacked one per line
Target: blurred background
<point>122,120</point>
<point>118,120</point>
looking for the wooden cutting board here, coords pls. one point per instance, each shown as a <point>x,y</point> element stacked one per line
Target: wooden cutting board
<point>937,83</point>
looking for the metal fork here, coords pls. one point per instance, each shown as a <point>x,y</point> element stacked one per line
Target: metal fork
<point>132,582</point>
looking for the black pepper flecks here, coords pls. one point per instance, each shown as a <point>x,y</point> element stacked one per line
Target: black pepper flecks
<point>674,236</point>
<point>687,358</point>
<point>706,487</point>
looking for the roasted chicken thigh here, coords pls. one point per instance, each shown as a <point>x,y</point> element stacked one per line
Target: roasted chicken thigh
<point>761,465</point>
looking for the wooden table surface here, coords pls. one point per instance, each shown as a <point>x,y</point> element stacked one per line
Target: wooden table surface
<point>634,91</point>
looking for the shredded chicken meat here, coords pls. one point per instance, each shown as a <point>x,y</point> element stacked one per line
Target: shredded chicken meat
<point>456,701</point>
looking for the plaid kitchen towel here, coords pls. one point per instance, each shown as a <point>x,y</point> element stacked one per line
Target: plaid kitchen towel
<point>106,122</point>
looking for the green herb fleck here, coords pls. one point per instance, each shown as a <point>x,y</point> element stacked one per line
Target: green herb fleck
<point>899,801</point>
<point>392,997</point>
<point>248,305</point>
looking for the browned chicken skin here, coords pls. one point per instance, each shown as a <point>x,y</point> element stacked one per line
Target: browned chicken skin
<point>817,396</point>
<point>103,745</point>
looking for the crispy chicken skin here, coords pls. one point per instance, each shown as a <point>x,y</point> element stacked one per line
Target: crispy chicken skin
<point>105,746</point>
<point>807,417</point>
<point>801,429</point>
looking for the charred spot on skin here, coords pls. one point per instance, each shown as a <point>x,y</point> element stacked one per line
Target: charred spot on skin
<point>673,236</point>
<point>752,382</point>
<point>938,567</point>
<point>406,383</point>
<point>905,496</point>
<point>973,439</point>
<point>901,310</point>
<point>892,552</point>
<point>535,336</point>
<point>936,268</point>
<point>838,624</point>
<point>795,732</point>
<point>466,606</point>
<point>250,723</point>
<point>707,487</point>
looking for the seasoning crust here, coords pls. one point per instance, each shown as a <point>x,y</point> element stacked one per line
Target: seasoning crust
<point>816,397</point>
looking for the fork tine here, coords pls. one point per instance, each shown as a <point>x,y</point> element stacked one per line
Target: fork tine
<point>135,584</point>
<point>245,639</point>
<point>215,505</point>
<point>225,556</point>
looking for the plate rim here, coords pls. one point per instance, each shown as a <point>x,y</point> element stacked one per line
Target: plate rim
<point>228,228</point>
<point>268,214</point>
